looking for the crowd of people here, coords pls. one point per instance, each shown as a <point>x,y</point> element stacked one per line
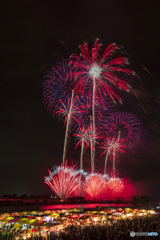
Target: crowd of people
<point>116,230</point>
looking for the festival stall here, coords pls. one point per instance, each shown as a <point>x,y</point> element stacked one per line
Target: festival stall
<point>33,213</point>
<point>39,213</point>
<point>39,218</point>
<point>120,210</point>
<point>54,215</point>
<point>151,212</point>
<point>12,222</point>
<point>19,224</point>
<point>5,214</point>
<point>47,212</point>
<point>29,223</point>
<point>15,214</point>
<point>23,214</point>
<point>4,221</point>
<point>128,210</point>
<point>75,216</point>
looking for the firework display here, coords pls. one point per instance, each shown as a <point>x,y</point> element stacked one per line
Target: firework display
<point>126,127</point>
<point>115,186</point>
<point>110,146</point>
<point>94,185</point>
<point>100,74</point>
<point>84,138</point>
<point>63,181</point>
<point>60,84</point>
<point>59,93</point>
<point>83,91</point>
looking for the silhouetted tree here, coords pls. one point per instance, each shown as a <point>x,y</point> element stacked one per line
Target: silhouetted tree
<point>14,196</point>
<point>119,200</point>
<point>136,200</point>
<point>32,196</point>
<point>5,195</point>
<point>46,196</point>
<point>45,201</point>
<point>24,196</point>
<point>145,199</point>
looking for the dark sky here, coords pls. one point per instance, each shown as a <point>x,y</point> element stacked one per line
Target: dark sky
<point>34,36</point>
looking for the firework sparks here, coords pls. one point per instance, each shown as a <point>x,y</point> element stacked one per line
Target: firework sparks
<point>110,146</point>
<point>63,181</point>
<point>59,92</point>
<point>102,110</point>
<point>126,127</point>
<point>83,136</point>
<point>86,137</point>
<point>100,74</point>
<point>59,85</point>
<point>85,119</point>
<point>101,71</point>
<point>70,111</point>
<point>95,183</point>
<point>115,186</point>
<point>68,120</point>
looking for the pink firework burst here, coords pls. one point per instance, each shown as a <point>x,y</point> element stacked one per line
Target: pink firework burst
<point>83,136</point>
<point>63,180</point>
<point>86,137</point>
<point>104,70</point>
<point>98,75</point>
<point>70,111</point>
<point>110,147</point>
<point>95,183</point>
<point>125,126</point>
<point>115,186</point>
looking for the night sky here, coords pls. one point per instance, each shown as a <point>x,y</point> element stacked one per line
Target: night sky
<point>37,34</point>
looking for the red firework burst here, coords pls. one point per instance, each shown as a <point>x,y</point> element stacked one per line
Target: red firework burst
<point>70,111</point>
<point>104,70</point>
<point>115,186</point>
<point>99,75</point>
<point>126,127</point>
<point>111,146</point>
<point>87,136</point>
<point>63,181</point>
<point>94,185</point>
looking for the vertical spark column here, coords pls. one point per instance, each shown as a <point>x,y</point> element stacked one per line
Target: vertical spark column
<point>114,162</point>
<point>105,166</point>
<point>67,128</point>
<point>91,127</point>
<point>81,166</point>
<point>81,157</point>
<point>93,113</point>
<point>114,152</point>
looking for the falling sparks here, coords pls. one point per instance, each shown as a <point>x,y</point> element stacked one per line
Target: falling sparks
<point>95,183</point>
<point>126,127</point>
<point>110,146</point>
<point>63,181</point>
<point>115,186</point>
